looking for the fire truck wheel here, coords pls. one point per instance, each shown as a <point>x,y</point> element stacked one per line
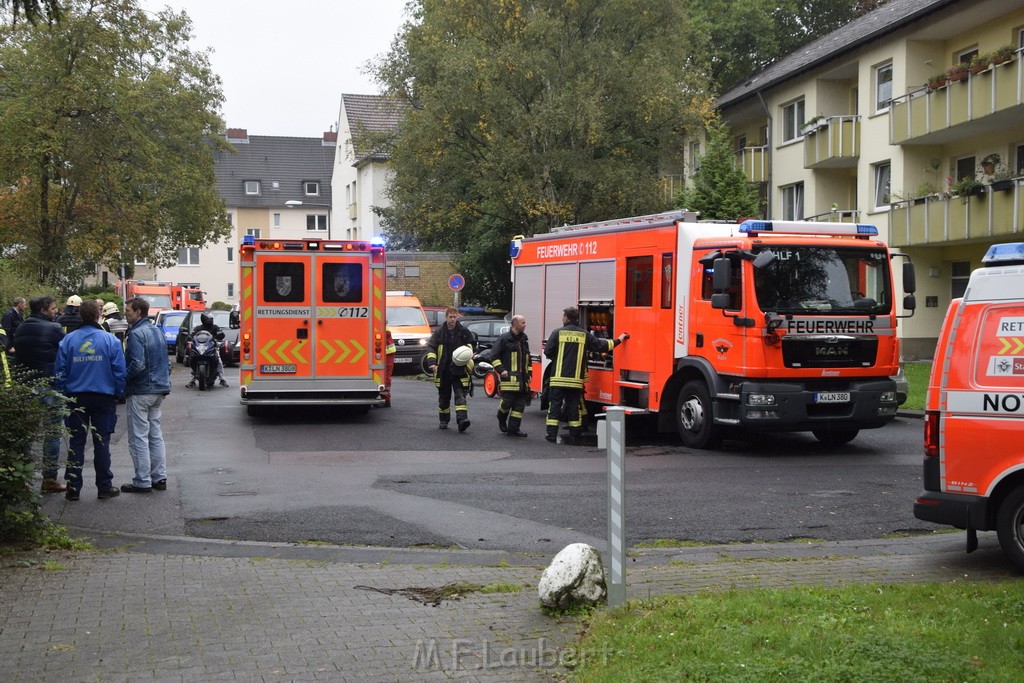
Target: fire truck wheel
<point>835,437</point>
<point>695,417</point>
<point>1010,526</point>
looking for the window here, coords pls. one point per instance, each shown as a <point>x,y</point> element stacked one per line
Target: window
<point>741,142</point>
<point>231,218</point>
<point>412,271</point>
<point>966,56</point>
<point>792,120</point>
<point>277,220</point>
<point>231,290</point>
<point>965,168</point>
<point>252,187</point>
<point>231,254</point>
<point>639,280</point>
<point>342,282</point>
<point>188,256</point>
<point>666,280</point>
<point>391,271</point>
<point>1019,163</point>
<point>882,176</point>
<point>883,87</point>
<point>695,156</point>
<point>316,222</point>
<point>253,232</point>
<point>793,202</point>
<point>311,188</point>
<point>960,274</point>
<point>284,283</point>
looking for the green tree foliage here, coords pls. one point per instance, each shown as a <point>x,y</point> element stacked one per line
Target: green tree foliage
<point>738,38</point>
<point>107,130</point>
<point>32,10</point>
<point>719,189</point>
<point>527,114</point>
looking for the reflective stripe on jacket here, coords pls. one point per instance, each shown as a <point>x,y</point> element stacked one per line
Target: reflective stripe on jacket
<point>511,353</point>
<point>567,347</point>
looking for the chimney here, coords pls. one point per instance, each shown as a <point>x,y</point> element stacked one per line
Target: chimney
<point>330,138</point>
<point>238,136</point>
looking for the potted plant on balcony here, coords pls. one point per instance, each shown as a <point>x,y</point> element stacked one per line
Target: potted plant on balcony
<point>936,81</point>
<point>981,61</point>
<point>813,124</point>
<point>1002,179</point>
<point>968,187</point>
<point>958,71</point>
<point>1002,54</point>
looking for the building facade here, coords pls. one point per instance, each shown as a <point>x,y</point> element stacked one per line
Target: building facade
<point>859,126</point>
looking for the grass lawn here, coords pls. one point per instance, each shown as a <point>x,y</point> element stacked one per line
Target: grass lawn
<point>920,632</point>
<point>917,384</point>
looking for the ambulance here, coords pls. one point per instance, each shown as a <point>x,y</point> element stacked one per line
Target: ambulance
<point>312,323</point>
<point>974,410</point>
<point>760,326</point>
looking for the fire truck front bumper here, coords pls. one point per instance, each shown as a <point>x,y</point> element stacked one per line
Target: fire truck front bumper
<point>777,406</point>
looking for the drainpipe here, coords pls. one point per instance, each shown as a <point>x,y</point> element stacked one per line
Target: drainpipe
<point>768,143</point>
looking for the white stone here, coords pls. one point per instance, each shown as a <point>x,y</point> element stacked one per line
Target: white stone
<point>574,577</point>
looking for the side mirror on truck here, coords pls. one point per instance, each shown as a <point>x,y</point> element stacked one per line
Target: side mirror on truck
<point>909,286</point>
<point>720,279</point>
<point>233,320</point>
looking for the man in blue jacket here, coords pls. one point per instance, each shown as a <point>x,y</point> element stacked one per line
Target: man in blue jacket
<point>149,381</point>
<point>90,371</point>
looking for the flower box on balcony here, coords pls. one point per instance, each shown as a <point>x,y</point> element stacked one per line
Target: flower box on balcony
<point>1001,185</point>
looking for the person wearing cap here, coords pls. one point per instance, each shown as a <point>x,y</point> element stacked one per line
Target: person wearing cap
<point>35,349</point>
<point>113,322</point>
<point>70,320</point>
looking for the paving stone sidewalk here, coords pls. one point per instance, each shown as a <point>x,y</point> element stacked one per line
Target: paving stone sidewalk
<point>179,609</point>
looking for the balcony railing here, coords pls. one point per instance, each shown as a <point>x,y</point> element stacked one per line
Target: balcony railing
<point>939,218</point>
<point>836,216</point>
<point>833,144</point>
<point>754,162</point>
<point>926,116</point>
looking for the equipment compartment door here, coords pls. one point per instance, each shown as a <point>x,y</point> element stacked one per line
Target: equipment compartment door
<point>343,316</point>
<point>281,325</point>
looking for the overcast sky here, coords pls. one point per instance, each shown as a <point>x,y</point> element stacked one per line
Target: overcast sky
<point>285,63</point>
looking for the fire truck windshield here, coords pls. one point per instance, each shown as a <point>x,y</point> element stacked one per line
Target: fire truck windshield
<point>810,280</point>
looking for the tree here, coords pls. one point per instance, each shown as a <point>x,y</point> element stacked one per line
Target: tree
<point>32,10</point>
<point>720,190</point>
<point>527,114</point>
<point>108,127</point>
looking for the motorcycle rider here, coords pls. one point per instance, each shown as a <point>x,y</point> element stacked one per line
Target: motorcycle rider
<point>206,324</point>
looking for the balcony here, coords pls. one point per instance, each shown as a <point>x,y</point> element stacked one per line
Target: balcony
<point>754,162</point>
<point>939,219</point>
<point>982,101</point>
<point>834,143</point>
<point>836,216</point>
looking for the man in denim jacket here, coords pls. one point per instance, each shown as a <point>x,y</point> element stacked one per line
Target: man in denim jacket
<point>149,381</point>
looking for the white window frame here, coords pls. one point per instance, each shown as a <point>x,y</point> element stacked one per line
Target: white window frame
<point>695,155</point>
<point>251,187</point>
<point>793,202</point>
<point>308,185</point>
<point>882,185</point>
<point>231,254</point>
<point>231,218</point>
<point>795,112</point>
<point>883,89</point>
<point>277,220</point>
<point>190,254</point>
<point>231,290</point>
<point>252,232</point>
<point>319,222</point>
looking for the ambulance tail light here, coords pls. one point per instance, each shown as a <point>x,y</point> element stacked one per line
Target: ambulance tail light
<point>931,433</point>
<point>378,344</point>
<point>246,344</point>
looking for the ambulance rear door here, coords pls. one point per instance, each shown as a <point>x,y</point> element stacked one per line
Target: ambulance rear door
<point>283,296</point>
<point>343,330</point>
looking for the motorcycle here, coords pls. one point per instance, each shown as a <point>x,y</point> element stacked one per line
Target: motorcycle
<point>202,353</point>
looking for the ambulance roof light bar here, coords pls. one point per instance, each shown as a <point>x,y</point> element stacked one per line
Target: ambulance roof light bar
<point>862,230</point>
<point>248,240</point>
<point>1008,254</point>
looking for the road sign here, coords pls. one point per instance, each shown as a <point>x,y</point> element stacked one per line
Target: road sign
<point>456,282</point>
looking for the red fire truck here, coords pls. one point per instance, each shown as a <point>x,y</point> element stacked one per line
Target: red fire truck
<point>312,323</point>
<point>187,298</point>
<point>759,326</point>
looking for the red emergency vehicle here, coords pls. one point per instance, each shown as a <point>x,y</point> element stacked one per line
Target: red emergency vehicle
<point>759,326</point>
<point>187,298</point>
<point>158,294</point>
<point>974,419</point>
<point>312,322</point>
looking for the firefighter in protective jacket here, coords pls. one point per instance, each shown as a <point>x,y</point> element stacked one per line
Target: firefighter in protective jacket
<point>567,348</point>
<point>449,378</point>
<point>510,357</point>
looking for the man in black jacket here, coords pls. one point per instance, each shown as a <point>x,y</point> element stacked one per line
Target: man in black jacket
<point>35,349</point>
<point>12,319</point>
<point>510,357</point>
<point>567,348</point>
<point>450,378</point>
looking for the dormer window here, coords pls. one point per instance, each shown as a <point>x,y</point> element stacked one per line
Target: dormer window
<point>252,187</point>
<point>311,188</point>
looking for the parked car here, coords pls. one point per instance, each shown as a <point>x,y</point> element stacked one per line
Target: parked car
<point>230,350</point>
<point>435,316</point>
<point>169,322</point>
<point>486,330</point>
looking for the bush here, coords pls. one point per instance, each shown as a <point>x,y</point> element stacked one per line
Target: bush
<point>24,420</point>
<point>220,306</point>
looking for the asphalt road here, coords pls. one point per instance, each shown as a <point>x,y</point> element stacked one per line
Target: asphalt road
<point>392,478</point>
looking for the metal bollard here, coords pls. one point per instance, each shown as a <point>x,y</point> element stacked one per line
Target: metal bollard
<point>616,437</point>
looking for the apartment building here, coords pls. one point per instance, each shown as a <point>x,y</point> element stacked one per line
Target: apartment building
<point>272,186</point>
<point>858,126</point>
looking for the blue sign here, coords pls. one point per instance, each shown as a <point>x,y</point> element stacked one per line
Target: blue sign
<point>456,282</point>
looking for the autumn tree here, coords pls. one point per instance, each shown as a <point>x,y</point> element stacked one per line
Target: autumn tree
<point>527,114</point>
<point>718,189</point>
<point>31,10</point>
<point>108,124</point>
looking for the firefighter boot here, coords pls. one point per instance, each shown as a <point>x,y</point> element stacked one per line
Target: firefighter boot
<point>502,422</point>
<point>552,434</point>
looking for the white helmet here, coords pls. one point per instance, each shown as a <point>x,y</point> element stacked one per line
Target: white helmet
<point>110,308</point>
<point>462,355</point>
